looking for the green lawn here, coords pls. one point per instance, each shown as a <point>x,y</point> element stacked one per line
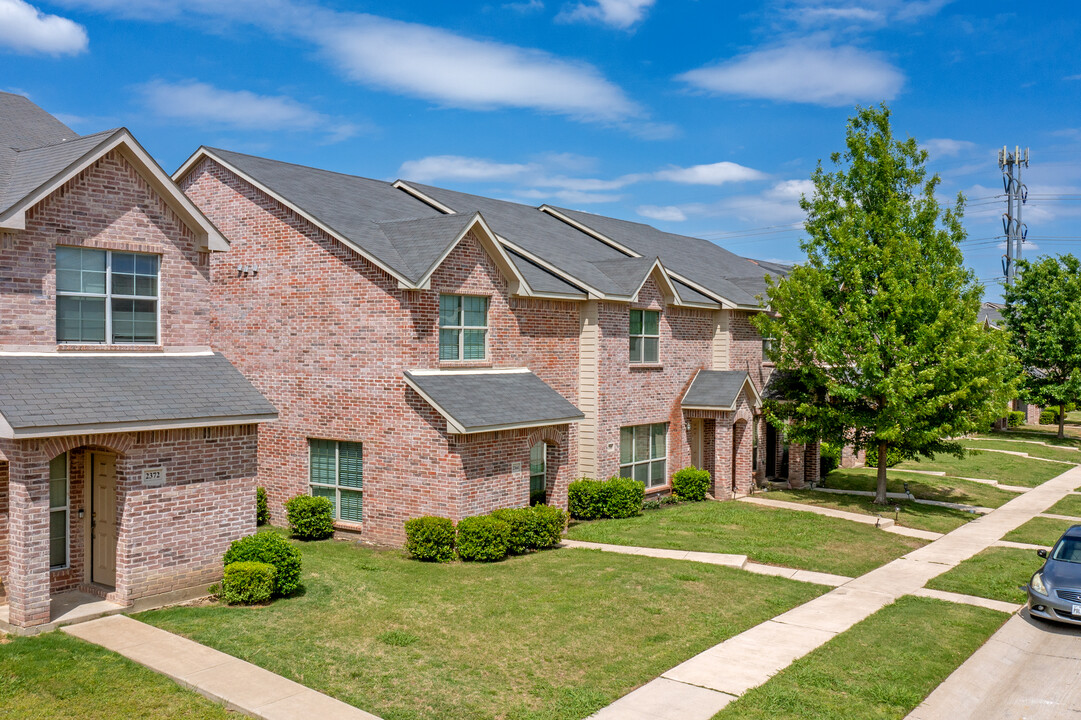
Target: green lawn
<point>57,676</point>
<point>927,487</point>
<point>1006,469</point>
<point>777,537</point>
<point>1069,505</point>
<point>1043,433</point>
<point>1032,448</point>
<point>882,667</point>
<point>553,635</point>
<point>995,573</point>
<point>1039,531</point>
<point>912,515</point>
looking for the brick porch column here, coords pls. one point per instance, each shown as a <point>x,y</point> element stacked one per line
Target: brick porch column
<point>813,469</point>
<point>796,457</point>
<point>28,526</point>
<point>722,460</point>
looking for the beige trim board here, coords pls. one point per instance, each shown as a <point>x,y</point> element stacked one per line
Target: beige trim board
<point>6,431</point>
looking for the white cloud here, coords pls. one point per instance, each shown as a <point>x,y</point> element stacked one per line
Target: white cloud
<point>456,167</point>
<point>621,14</point>
<point>568,197</point>
<point>26,30</point>
<point>874,13</point>
<point>198,103</point>
<point>527,6</point>
<point>947,147</point>
<point>670,213</point>
<point>831,76</point>
<point>713,174</point>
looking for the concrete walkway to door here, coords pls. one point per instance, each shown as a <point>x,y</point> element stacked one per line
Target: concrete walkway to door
<point>703,685</point>
<point>236,684</point>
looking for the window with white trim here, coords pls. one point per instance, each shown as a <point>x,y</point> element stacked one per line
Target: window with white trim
<point>106,297</point>
<point>336,472</point>
<point>538,474</point>
<point>643,452</point>
<point>59,512</point>
<point>769,344</point>
<point>645,336</point>
<point>463,327</point>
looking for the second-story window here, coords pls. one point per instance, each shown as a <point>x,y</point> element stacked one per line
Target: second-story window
<point>106,297</point>
<point>645,336</point>
<point>768,346</point>
<point>463,327</point>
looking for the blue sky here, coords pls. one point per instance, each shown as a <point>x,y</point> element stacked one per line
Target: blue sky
<point>698,116</point>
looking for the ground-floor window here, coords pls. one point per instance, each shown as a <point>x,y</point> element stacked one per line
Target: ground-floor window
<point>336,472</point>
<point>58,512</point>
<point>538,474</point>
<point>643,450</point>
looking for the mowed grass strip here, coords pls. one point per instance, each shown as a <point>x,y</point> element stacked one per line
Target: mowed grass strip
<point>882,667</point>
<point>777,537</point>
<point>1042,433</point>
<point>57,676</point>
<point>1006,469</point>
<point>1039,531</point>
<point>1031,448</point>
<point>996,573</point>
<point>555,635</point>
<point>911,514</point>
<point>1069,505</point>
<point>926,487</point>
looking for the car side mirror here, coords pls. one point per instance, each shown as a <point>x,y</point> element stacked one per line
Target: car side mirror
<point>1042,553</point>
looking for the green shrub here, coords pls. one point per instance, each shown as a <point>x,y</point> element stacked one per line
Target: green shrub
<point>615,497</point>
<point>310,518</point>
<point>893,457</point>
<point>691,484</point>
<point>262,512</point>
<point>1048,417</point>
<point>651,505</point>
<point>247,583</point>
<point>672,499</point>
<point>550,523</point>
<point>483,538</point>
<point>271,548</point>
<point>430,538</point>
<point>522,523</point>
<point>829,458</point>
<point>1015,418</point>
<point>584,499</point>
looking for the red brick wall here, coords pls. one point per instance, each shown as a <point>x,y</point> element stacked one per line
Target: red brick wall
<point>108,206</point>
<point>326,335</point>
<point>3,526</point>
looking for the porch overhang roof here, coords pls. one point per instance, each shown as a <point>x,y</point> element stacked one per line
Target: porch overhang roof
<point>719,390</point>
<point>60,393</point>
<point>476,401</point>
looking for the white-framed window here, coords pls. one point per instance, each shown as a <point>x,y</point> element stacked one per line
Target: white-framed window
<point>643,452</point>
<point>463,327</point>
<point>768,346</point>
<point>336,472</point>
<point>645,335</point>
<point>59,512</point>
<point>104,296</point>
<point>538,474</point>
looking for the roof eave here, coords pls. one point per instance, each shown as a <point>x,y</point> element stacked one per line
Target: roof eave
<point>25,433</point>
<point>517,284</point>
<point>589,231</point>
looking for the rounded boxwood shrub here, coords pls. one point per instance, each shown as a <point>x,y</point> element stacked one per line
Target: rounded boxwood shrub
<point>691,484</point>
<point>550,523</point>
<point>1016,418</point>
<point>483,538</point>
<point>1048,417</point>
<point>584,499</point>
<point>271,548</point>
<point>262,511</point>
<point>247,583</point>
<point>430,538</point>
<point>622,497</point>
<point>523,525</point>
<point>310,518</point>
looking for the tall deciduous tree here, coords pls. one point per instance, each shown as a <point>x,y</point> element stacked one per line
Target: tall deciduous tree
<point>878,340</point>
<point>1043,314</point>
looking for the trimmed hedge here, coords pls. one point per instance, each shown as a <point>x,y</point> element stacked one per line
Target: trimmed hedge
<point>483,538</point>
<point>247,583</point>
<point>271,548</point>
<point>310,518</point>
<point>691,484</point>
<point>615,497</point>
<point>551,521</point>
<point>532,528</point>
<point>1016,418</point>
<point>1048,417</point>
<point>430,538</point>
<point>262,511</point>
<point>893,457</point>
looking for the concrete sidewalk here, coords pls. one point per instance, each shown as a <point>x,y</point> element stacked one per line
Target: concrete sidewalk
<point>236,684</point>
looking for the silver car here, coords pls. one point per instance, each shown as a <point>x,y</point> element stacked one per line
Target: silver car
<point>1054,592</point>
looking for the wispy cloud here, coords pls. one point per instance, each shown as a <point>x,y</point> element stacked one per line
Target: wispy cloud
<point>527,6</point>
<point>456,167</point>
<point>197,103</point>
<point>26,30</point>
<point>621,14</point>
<point>947,147</point>
<point>719,173</point>
<point>805,73</point>
<point>777,204</point>
<point>856,15</point>
<point>667,213</point>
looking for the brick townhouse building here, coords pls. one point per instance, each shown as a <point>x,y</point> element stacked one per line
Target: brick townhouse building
<point>434,352</point>
<point>127,447</point>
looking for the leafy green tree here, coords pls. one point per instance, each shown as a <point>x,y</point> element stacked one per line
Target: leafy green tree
<point>878,341</point>
<point>1043,315</point>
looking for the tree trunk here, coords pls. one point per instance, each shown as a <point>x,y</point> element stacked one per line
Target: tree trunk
<point>1062,420</point>
<point>880,494</point>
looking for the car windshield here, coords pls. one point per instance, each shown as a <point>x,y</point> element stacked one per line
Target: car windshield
<point>1068,550</point>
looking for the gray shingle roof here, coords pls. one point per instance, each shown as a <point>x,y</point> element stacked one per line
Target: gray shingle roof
<point>420,243</point>
<point>715,389</point>
<point>479,401</point>
<point>33,167</point>
<point>39,393</point>
<point>991,314</point>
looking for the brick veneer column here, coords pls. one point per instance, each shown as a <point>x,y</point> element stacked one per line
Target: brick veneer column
<point>741,451</point>
<point>796,459</point>
<point>28,526</point>
<point>813,468</point>
<point>722,460</point>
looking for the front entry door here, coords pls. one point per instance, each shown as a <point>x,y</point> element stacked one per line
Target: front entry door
<point>771,451</point>
<point>696,442</point>
<point>103,528</point>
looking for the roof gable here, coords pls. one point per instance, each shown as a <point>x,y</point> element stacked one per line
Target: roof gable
<point>720,390</point>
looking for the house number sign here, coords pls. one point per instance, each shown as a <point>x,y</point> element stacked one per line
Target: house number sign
<point>153,477</point>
